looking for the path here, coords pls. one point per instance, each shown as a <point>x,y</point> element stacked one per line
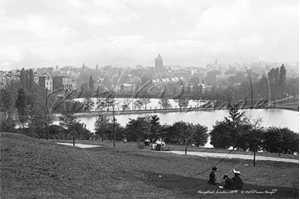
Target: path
<point>203,154</point>
<point>238,156</point>
<point>79,145</point>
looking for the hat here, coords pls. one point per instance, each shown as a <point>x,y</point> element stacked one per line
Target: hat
<point>215,169</point>
<point>236,172</point>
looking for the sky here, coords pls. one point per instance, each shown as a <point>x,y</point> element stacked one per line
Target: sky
<point>46,33</point>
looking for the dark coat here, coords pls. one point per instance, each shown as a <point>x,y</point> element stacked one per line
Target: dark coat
<point>238,182</point>
<point>229,184</point>
<point>212,178</point>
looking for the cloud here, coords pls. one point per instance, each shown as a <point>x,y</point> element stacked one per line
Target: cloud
<point>183,31</point>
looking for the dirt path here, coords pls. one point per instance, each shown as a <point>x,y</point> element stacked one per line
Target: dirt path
<point>226,155</point>
<point>79,145</point>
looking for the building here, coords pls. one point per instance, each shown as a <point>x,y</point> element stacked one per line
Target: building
<point>46,81</point>
<point>64,82</point>
<point>178,71</point>
<point>214,66</point>
<point>158,63</point>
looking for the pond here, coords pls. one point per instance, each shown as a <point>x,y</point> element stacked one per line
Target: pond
<point>270,117</point>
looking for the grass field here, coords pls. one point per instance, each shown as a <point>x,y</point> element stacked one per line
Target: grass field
<point>32,168</point>
<point>181,148</point>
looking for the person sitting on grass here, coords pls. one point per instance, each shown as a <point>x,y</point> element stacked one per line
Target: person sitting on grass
<point>238,182</point>
<point>212,177</point>
<point>228,183</point>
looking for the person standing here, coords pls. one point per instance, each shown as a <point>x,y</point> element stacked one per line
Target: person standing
<point>238,182</point>
<point>212,177</point>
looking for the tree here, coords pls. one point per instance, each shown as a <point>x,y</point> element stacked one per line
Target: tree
<point>38,118</point>
<point>282,80</point>
<point>184,133</point>
<point>27,80</point>
<point>278,140</point>
<point>263,87</point>
<point>154,126</point>
<point>290,141</point>
<point>137,129</point>
<point>200,136</point>
<point>271,140</point>
<point>31,80</point>
<point>101,126</point>
<point>145,101</point>
<point>6,101</point>
<point>273,77</point>
<point>70,122</point>
<point>182,102</point>
<point>21,105</point>
<point>7,122</point>
<point>105,127</point>
<point>125,104</point>
<point>197,90</point>
<point>236,124</point>
<point>164,103</point>
<point>88,104</point>
<point>23,78</point>
<point>138,104</point>
<point>91,83</point>
<point>220,136</point>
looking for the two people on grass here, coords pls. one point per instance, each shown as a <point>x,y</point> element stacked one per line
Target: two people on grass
<point>229,183</point>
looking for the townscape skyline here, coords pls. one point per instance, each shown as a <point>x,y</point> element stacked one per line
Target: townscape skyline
<point>129,33</point>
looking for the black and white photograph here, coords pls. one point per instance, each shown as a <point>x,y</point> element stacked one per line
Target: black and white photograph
<point>168,99</point>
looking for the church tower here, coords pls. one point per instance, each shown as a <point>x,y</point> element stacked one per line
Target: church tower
<point>158,63</point>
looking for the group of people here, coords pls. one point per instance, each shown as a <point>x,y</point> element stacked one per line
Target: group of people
<point>157,145</point>
<point>229,183</point>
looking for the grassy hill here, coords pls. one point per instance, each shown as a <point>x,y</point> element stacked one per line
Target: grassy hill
<point>32,168</point>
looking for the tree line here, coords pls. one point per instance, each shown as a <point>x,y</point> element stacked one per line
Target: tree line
<point>240,132</point>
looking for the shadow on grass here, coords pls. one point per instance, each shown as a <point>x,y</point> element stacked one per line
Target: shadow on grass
<point>193,187</point>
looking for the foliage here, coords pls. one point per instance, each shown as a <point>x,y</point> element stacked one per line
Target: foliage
<point>7,123</point>
<point>182,102</point>
<point>236,125</point>
<point>21,105</point>
<point>88,104</point>
<point>200,136</point>
<point>220,136</point>
<point>75,129</point>
<point>278,140</point>
<point>164,103</point>
<point>137,129</point>
<point>101,126</point>
<point>138,104</point>
<point>188,133</point>
<point>155,127</point>
<point>91,83</point>
<point>6,100</point>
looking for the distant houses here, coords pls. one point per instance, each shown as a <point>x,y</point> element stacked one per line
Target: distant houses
<point>56,82</point>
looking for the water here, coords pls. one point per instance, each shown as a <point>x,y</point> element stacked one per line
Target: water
<point>270,117</point>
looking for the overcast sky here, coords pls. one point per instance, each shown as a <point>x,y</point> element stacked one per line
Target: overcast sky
<point>44,33</point>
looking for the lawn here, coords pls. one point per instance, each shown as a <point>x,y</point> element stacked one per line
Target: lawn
<point>32,168</point>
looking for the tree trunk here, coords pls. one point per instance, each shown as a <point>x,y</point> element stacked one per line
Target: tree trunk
<point>185,148</point>
<point>73,138</point>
